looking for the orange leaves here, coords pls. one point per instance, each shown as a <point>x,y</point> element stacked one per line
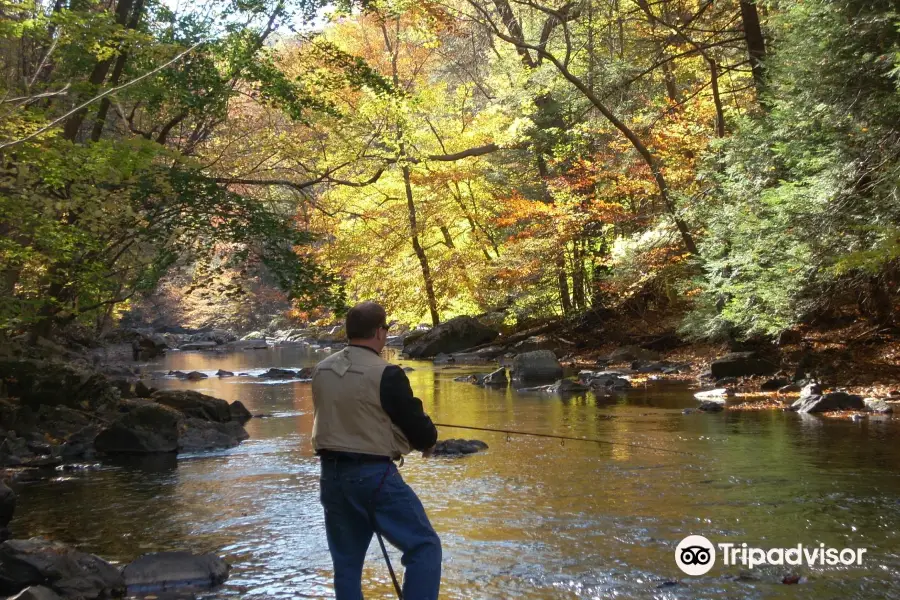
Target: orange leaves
<point>606,212</point>
<point>518,210</point>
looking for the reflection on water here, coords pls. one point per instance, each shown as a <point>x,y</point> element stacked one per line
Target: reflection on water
<point>530,518</point>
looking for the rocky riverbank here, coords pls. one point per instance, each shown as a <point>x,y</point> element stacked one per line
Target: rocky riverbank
<point>60,406</point>
<point>40,569</point>
<point>53,412</point>
<point>785,375</point>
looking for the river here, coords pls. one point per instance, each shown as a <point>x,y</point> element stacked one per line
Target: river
<point>529,518</point>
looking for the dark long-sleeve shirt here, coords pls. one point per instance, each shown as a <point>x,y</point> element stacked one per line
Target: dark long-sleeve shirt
<point>405,410</point>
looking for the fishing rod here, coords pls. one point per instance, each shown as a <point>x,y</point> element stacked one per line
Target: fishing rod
<point>509,432</point>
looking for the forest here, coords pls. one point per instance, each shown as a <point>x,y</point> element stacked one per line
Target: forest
<point>734,164</point>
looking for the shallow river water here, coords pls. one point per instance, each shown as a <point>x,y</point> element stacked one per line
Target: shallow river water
<point>530,517</point>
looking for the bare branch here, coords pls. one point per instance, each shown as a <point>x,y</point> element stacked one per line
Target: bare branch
<point>108,92</point>
<point>30,99</point>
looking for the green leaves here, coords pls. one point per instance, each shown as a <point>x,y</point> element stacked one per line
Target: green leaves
<point>807,193</point>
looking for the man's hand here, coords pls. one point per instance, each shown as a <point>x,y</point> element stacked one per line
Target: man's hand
<point>427,453</point>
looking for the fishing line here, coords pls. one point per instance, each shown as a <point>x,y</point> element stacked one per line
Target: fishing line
<point>508,433</point>
<point>563,438</point>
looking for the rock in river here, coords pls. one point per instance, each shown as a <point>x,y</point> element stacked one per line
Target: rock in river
<point>717,395</point>
<point>497,377</point>
<point>198,346</point>
<point>196,435</point>
<point>304,373</point>
<point>174,420</point>
<point>166,570</point>
<point>66,571</point>
<point>147,427</point>
<point>239,412</point>
<point>567,386</point>
<point>605,379</point>
<point>878,406</point>
<point>194,404</point>
<point>829,402</point>
<point>458,447</point>
<point>540,365</point>
<point>711,406</point>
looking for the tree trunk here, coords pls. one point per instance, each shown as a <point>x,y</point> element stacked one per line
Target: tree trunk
<point>756,43</point>
<point>671,84</point>
<point>420,252</point>
<point>448,239</point>
<point>578,296</point>
<point>717,100</point>
<point>105,103</point>
<point>98,76</point>
<point>562,280</point>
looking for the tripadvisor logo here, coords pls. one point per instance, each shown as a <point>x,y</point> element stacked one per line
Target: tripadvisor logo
<point>696,555</point>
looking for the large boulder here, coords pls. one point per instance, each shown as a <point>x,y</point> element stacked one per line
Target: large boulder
<point>540,365</point>
<point>239,412</point>
<point>536,342</point>
<point>166,570</point>
<point>451,336</point>
<point>38,383</point>
<point>195,435</point>
<point>829,402</point>
<point>148,346</point>
<point>66,571</point>
<point>148,427</point>
<point>741,364</point>
<point>81,443</point>
<point>194,404</point>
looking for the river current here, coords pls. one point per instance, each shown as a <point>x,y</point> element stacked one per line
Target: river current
<point>529,518</point>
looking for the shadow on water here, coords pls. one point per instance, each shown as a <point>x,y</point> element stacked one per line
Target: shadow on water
<point>529,518</point>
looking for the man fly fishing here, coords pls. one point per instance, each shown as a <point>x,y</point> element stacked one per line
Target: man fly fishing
<point>366,417</point>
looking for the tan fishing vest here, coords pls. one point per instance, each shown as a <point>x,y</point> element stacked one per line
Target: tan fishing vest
<point>346,390</point>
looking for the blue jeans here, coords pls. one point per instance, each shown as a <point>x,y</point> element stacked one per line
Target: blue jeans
<point>347,491</point>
